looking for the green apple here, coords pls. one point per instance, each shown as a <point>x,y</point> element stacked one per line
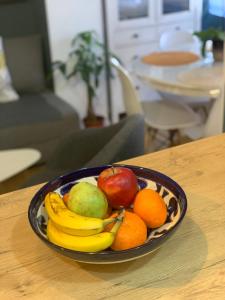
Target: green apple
<point>88,200</point>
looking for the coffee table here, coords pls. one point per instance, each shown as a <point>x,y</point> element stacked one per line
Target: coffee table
<point>14,161</point>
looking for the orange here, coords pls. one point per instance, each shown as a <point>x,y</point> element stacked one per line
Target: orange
<point>132,232</point>
<point>150,206</point>
<point>65,198</point>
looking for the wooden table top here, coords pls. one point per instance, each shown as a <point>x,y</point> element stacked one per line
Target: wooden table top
<point>191,265</point>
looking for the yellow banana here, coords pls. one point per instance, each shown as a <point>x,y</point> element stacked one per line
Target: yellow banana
<point>93,243</point>
<point>70,222</point>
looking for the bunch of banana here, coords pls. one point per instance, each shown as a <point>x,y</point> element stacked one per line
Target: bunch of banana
<point>91,243</point>
<point>69,222</point>
<point>72,231</point>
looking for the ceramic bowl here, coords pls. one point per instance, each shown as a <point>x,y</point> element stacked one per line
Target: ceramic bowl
<point>171,192</point>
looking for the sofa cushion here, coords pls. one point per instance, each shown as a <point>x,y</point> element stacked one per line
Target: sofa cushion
<point>35,119</point>
<point>25,62</point>
<point>30,109</point>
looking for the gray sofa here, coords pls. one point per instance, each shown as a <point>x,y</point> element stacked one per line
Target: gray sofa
<point>39,119</point>
<point>94,147</point>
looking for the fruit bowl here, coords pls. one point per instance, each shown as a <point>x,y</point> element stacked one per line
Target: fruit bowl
<point>171,192</point>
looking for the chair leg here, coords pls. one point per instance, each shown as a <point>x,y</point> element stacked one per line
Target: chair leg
<point>202,110</point>
<point>150,134</point>
<point>172,134</point>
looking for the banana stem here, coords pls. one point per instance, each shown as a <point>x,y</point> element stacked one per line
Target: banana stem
<point>109,221</point>
<point>118,222</point>
<point>121,215</point>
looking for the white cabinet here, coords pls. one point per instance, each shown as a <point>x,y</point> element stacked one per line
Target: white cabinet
<point>129,37</point>
<point>135,27</point>
<point>184,26</point>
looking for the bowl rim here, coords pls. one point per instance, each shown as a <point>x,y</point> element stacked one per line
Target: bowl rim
<point>108,253</point>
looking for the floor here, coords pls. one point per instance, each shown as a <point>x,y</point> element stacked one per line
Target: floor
<point>17,181</point>
<point>161,141</point>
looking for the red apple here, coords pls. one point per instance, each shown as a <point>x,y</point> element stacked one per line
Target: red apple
<point>120,186</point>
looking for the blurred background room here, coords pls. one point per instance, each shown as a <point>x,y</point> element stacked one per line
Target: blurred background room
<point>86,83</point>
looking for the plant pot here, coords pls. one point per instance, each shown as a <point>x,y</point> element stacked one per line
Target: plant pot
<point>96,122</point>
<point>218,50</point>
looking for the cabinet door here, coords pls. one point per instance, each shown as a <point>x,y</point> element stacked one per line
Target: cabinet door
<point>135,37</point>
<point>132,10</point>
<point>183,26</point>
<point>131,13</point>
<point>175,6</point>
<point>174,10</point>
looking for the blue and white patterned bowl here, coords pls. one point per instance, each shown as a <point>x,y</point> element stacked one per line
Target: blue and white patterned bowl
<point>171,192</point>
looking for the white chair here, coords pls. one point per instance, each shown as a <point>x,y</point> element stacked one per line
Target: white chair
<point>160,114</point>
<point>178,40</point>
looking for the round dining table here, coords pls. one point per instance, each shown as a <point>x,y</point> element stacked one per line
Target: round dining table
<point>199,79</point>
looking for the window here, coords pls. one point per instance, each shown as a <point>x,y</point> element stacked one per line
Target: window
<point>217,8</point>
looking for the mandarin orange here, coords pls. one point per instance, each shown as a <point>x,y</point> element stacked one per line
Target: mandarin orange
<point>65,198</point>
<point>150,206</point>
<point>132,232</point>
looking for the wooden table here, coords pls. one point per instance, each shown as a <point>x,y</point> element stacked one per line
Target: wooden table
<point>191,265</point>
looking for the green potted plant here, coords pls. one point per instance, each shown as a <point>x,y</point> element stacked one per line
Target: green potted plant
<point>85,60</point>
<point>217,36</point>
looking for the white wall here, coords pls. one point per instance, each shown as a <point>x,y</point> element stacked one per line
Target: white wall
<point>65,19</point>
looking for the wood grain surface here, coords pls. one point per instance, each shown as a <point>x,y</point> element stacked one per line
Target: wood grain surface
<point>191,265</point>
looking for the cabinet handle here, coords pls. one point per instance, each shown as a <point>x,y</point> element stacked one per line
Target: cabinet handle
<point>135,36</point>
